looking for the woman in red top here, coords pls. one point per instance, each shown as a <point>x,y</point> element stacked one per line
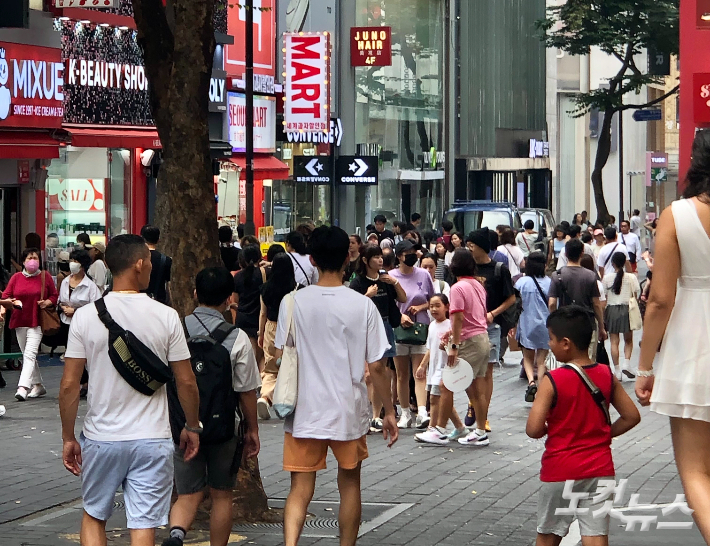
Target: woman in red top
<point>22,295</point>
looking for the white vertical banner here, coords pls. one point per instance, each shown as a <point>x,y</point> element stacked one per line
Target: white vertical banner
<point>307,81</point>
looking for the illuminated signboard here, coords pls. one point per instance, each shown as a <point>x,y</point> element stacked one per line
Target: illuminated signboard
<point>307,83</point>
<point>371,46</point>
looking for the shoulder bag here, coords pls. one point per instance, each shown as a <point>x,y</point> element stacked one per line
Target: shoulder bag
<point>286,389</point>
<point>635,319</point>
<point>135,362</point>
<point>610,255</point>
<point>308,280</point>
<point>508,319</point>
<point>539,289</point>
<point>48,317</point>
<point>595,391</point>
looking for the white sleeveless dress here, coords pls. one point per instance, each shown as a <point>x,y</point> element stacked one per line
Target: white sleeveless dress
<point>682,386</point>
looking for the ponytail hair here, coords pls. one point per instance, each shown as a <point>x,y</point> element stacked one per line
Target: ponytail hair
<point>618,260</point>
<point>249,258</point>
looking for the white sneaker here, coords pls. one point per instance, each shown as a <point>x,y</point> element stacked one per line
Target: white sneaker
<point>431,436</point>
<point>405,421</point>
<point>21,394</point>
<point>37,391</point>
<point>422,422</point>
<point>2,410</point>
<point>262,409</point>
<point>474,439</point>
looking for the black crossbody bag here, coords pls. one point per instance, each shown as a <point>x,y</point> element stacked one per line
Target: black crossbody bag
<point>133,360</point>
<point>595,391</point>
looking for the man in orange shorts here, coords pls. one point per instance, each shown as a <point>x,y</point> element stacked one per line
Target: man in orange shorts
<point>337,331</point>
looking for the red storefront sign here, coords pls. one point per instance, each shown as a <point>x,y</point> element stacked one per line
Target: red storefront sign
<point>23,171</point>
<point>701,97</point>
<point>31,86</point>
<point>371,46</point>
<point>264,39</point>
<point>307,84</point>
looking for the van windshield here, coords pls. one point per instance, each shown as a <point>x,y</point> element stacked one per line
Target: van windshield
<point>468,221</point>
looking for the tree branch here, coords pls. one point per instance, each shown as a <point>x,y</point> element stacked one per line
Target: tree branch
<point>651,103</point>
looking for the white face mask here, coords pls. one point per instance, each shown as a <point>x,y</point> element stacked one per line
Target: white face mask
<point>74,267</point>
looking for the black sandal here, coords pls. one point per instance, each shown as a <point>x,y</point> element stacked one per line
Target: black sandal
<point>531,392</point>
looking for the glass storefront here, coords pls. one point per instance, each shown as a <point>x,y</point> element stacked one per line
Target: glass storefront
<point>88,190</point>
<point>400,111</point>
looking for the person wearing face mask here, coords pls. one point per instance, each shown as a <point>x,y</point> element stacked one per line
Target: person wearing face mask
<point>22,295</point>
<point>76,291</point>
<point>418,286</point>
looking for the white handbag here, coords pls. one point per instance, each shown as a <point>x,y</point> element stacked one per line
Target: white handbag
<point>286,389</point>
<point>635,320</point>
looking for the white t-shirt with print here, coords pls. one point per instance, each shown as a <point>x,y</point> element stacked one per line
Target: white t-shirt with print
<point>337,331</point>
<point>604,259</point>
<point>115,410</point>
<point>437,357</point>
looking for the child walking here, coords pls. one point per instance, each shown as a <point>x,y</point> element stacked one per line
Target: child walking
<point>578,428</point>
<point>431,367</point>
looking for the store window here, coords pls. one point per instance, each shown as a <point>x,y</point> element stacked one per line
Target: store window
<point>400,110</point>
<point>88,190</point>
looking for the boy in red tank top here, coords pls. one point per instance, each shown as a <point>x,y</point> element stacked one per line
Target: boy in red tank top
<point>579,431</point>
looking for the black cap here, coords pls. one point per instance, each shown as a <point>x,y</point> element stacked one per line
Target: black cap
<point>403,246</point>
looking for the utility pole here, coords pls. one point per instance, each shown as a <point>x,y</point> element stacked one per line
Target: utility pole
<point>621,167</point>
<point>249,228</point>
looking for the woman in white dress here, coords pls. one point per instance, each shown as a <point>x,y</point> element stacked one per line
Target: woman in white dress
<point>678,319</point>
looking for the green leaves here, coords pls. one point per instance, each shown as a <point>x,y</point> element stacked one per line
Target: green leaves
<point>620,28</point>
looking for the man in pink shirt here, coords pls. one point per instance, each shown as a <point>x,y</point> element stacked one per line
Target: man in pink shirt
<point>468,341</point>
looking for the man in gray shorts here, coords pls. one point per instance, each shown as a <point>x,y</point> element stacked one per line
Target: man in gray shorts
<point>126,439</point>
<point>216,464</point>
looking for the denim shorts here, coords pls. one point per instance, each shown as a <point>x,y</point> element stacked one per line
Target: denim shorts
<point>142,468</point>
<point>392,351</point>
<point>494,337</point>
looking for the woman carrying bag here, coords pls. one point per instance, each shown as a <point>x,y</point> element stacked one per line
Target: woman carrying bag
<point>29,294</point>
<point>621,288</point>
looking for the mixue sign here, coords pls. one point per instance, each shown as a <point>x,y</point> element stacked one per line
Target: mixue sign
<point>31,86</point>
<point>307,87</point>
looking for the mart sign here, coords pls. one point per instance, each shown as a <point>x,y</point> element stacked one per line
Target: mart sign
<point>307,84</point>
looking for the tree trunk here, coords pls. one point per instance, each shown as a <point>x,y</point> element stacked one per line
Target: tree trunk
<point>178,49</point>
<point>603,150</point>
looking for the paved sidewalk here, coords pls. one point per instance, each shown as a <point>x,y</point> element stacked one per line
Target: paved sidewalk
<point>413,494</point>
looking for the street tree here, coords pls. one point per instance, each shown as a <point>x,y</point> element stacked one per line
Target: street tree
<point>178,43</point>
<point>623,29</point>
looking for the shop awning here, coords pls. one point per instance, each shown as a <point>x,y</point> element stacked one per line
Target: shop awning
<point>114,137</point>
<point>265,167</point>
<point>27,145</point>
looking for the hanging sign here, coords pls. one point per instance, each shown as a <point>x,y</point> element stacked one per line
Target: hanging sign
<point>315,170</point>
<point>264,123</point>
<point>357,170</point>
<point>307,87</point>
<point>371,46</point>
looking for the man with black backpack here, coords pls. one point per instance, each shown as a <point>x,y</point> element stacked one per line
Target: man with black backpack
<point>227,377</point>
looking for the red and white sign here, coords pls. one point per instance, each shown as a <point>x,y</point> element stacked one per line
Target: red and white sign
<point>23,171</point>
<point>264,39</point>
<point>79,194</point>
<point>701,98</point>
<point>31,86</point>
<point>264,123</point>
<point>307,84</point>
<point>129,77</point>
<point>87,3</point>
<point>242,201</point>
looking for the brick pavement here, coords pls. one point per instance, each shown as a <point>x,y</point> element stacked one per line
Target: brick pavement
<point>459,495</point>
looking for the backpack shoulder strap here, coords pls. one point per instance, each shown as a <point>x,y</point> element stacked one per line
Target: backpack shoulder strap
<point>595,391</point>
<point>222,331</point>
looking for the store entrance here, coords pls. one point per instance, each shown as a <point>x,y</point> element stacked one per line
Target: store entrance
<point>10,223</point>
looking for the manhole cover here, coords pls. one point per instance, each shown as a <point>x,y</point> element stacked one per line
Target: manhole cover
<point>318,523</point>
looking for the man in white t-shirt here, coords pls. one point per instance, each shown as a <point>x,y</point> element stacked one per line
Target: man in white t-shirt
<point>635,223</point>
<point>336,331</point>
<point>575,232</point>
<point>126,439</point>
<point>612,246</point>
<point>632,243</point>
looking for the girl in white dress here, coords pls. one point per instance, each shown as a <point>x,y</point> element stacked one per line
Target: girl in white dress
<point>678,319</point>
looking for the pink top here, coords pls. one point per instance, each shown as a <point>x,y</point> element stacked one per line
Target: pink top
<point>468,296</point>
<point>28,291</point>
